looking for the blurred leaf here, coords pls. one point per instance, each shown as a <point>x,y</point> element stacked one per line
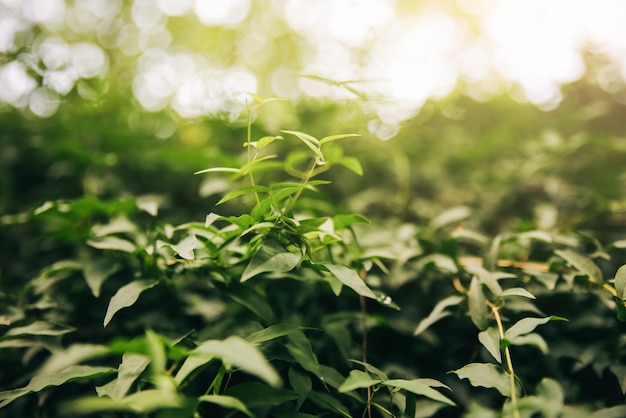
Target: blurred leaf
<point>226,402</point>
<point>254,394</point>
<point>517,291</point>
<point>420,387</point>
<point>237,352</point>
<point>335,137</point>
<point>490,339</point>
<point>42,381</point>
<point>96,271</point>
<point>620,282</point>
<point>581,263</point>
<point>451,216</point>
<point>128,372</point>
<point>37,328</point>
<point>112,243</point>
<point>251,299</point>
<point>271,332</point>
<point>219,170</point>
<point>126,296</point>
<point>352,164</point>
<point>532,339</point>
<point>243,191</point>
<point>478,309</point>
<point>438,313</point>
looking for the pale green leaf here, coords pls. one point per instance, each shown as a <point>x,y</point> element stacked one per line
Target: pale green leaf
<point>237,352</point>
<point>37,328</point>
<point>128,372</point>
<point>581,263</point>
<point>335,137</point>
<point>42,381</point>
<point>191,364</point>
<point>357,379</point>
<point>226,402</point>
<point>479,312</point>
<point>620,282</point>
<point>219,170</point>
<point>271,257</point>
<point>352,164</point>
<point>112,243</point>
<point>126,296</point>
<point>486,375</point>
<point>486,278</point>
<point>243,191</point>
<point>490,339</point>
<point>451,216</point>
<point>438,312</point>
<point>350,278</point>
<point>517,291</point>
<point>527,325</point>
<point>419,387</point>
<point>533,339</point>
<point>186,246</point>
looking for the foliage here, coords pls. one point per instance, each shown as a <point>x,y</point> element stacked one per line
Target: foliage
<point>123,293</point>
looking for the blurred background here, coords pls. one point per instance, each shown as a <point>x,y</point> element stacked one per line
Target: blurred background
<point>510,110</point>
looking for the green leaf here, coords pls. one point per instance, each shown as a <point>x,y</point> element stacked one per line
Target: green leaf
<point>126,296</point>
<point>219,170</point>
<point>112,243</point>
<point>129,371</point>
<point>486,375</point>
<point>527,325</point>
<point>264,142</point>
<point>271,257</point>
<point>358,379</point>
<point>96,272</point>
<point>533,339</point>
<point>420,387</point>
<point>490,339</point>
<point>517,291</point>
<point>478,309</point>
<point>352,164</point>
<point>438,313</point>
<point>272,332</point>
<point>581,263</point>
<point>255,394</point>
<point>226,402</point>
<point>245,169</point>
<point>343,221</point>
<point>486,278</point>
<point>191,363</point>
<point>251,299</point>
<point>301,350</point>
<point>37,328</point>
<point>243,191</point>
<point>329,403</point>
<point>452,216</point>
<point>237,352</point>
<point>440,261</point>
<point>310,142</point>
<point>336,137</point>
<point>371,369</point>
<point>620,282</point>
<point>42,381</point>
<point>301,384</point>
<point>350,278</point>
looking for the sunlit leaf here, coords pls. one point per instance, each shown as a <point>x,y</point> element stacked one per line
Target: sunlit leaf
<point>490,339</point>
<point>350,278</point>
<point>527,325</point>
<point>239,353</point>
<point>242,192</point>
<point>112,243</point>
<point>226,402</point>
<point>96,271</point>
<point>477,302</point>
<point>270,257</point>
<point>37,328</point>
<point>486,375</point>
<point>358,379</point>
<point>517,291</point>
<point>42,381</point>
<point>332,138</point>
<point>438,313</point>
<point>620,282</point>
<point>219,170</point>
<point>419,387</point>
<point>581,263</point>
<point>126,296</point>
<point>128,372</point>
<point>452,216</point>
<point>532,339</point>
<point>352,164</point>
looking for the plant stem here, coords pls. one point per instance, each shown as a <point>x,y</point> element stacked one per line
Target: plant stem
<point>249,146</point>
<point>363,273</point>
<point>509,362</point>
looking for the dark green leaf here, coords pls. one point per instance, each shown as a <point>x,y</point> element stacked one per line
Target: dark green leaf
<point>438,313</point>
<point>358,379</point>
<point>272,332</point>
<point>254,394</point>
<point>271,257</point>
<point>490,339</point>
<point>226,402</point>
<point>478,309</point>
<point>620,282</point>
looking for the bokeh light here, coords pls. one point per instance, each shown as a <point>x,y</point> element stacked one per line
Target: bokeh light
<point>191,55</point>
